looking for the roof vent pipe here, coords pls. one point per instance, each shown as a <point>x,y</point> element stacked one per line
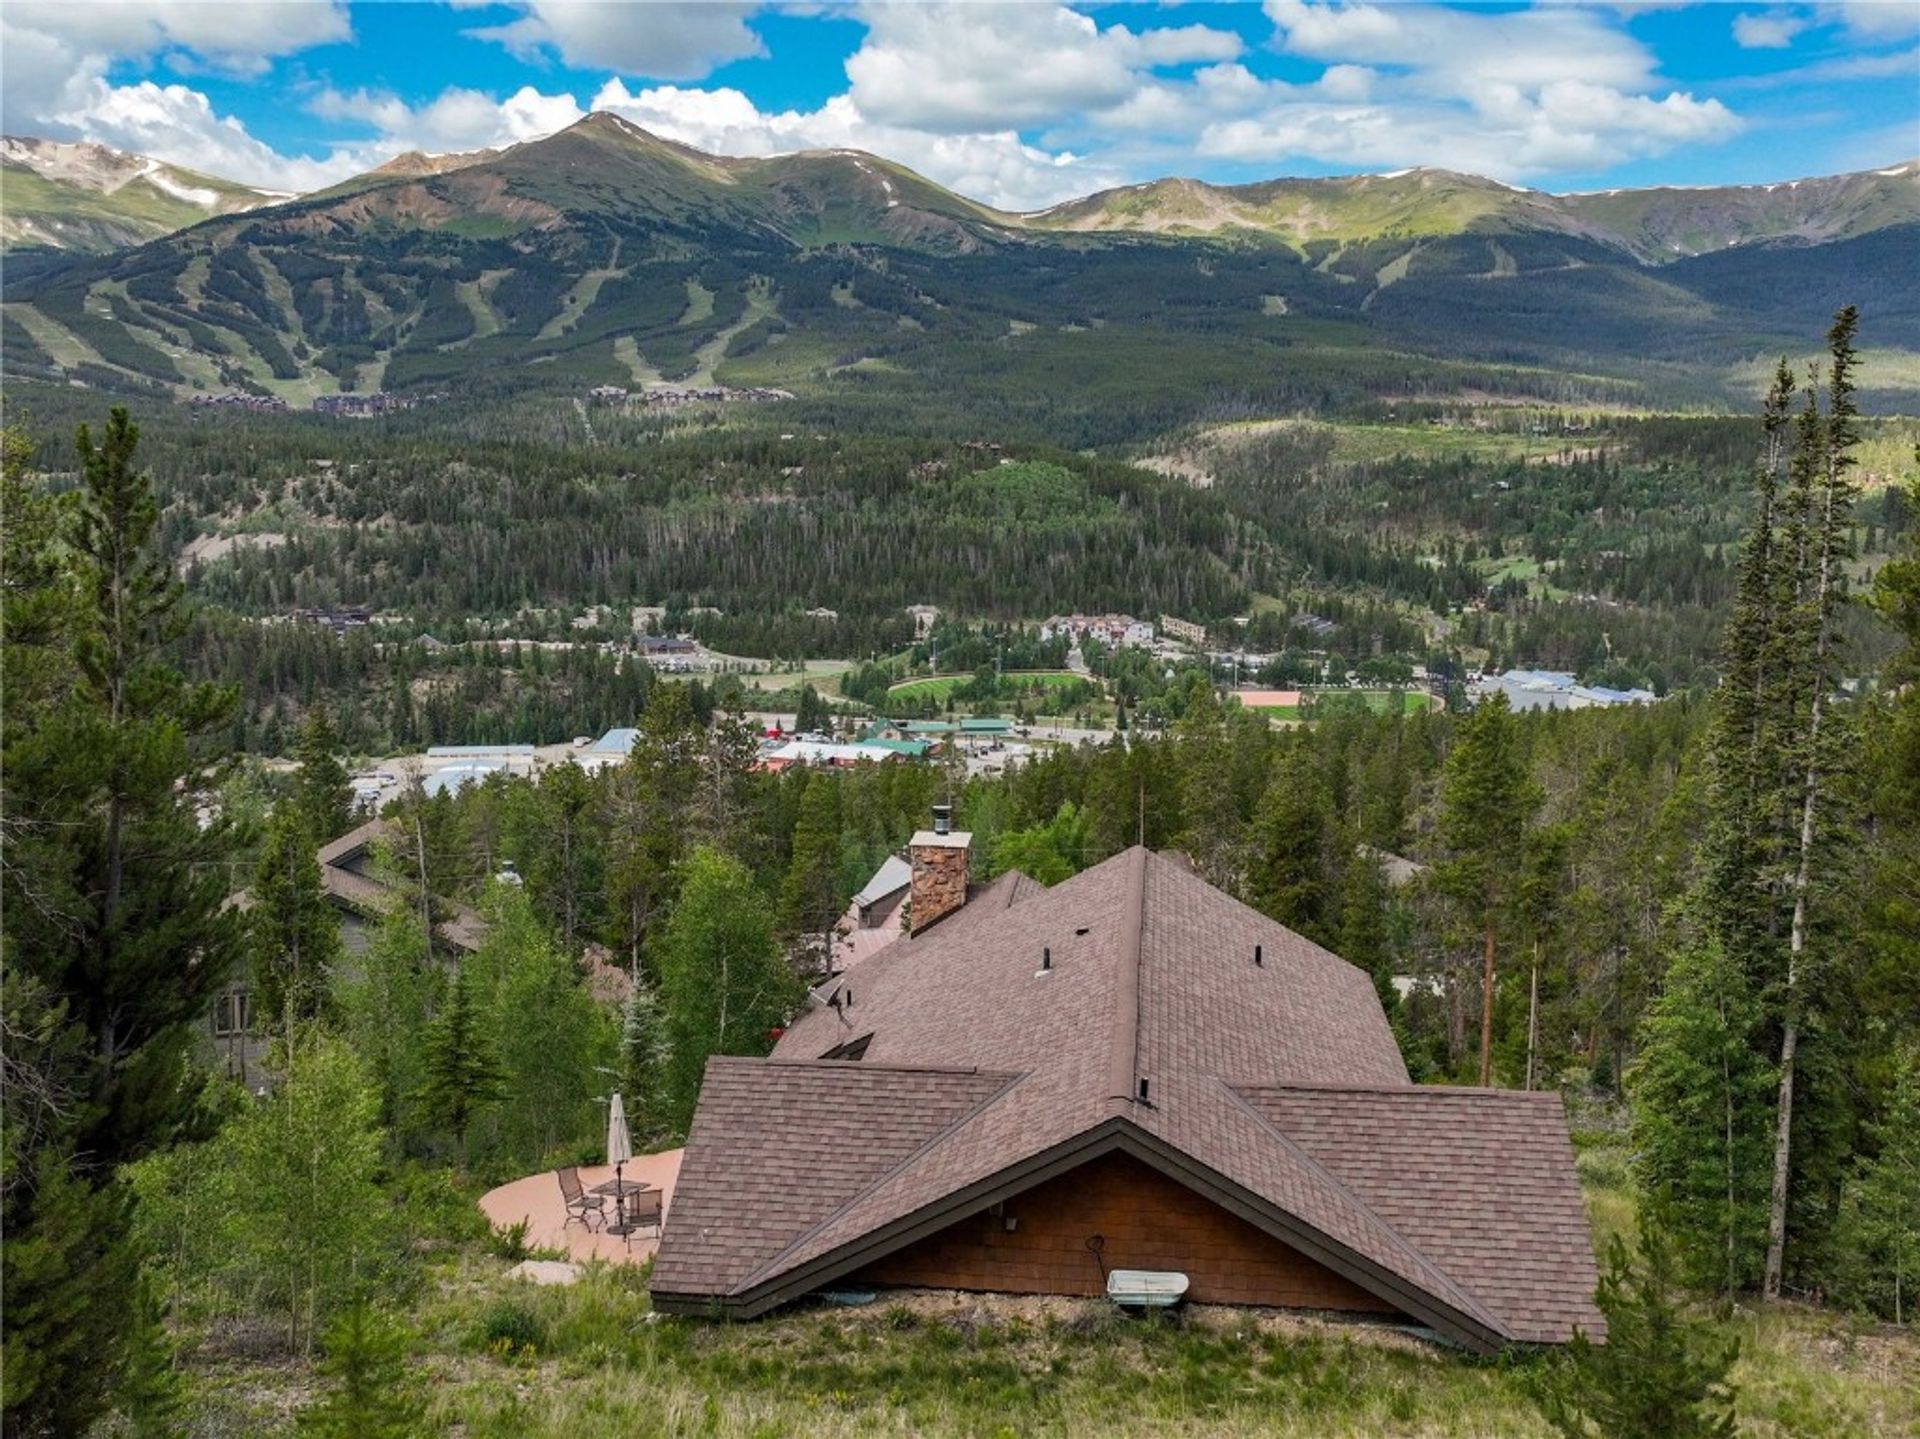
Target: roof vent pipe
<point>1257,961</point>
<point>943,819</point>
<point>1046,956</point>
<point>1143,1091</point>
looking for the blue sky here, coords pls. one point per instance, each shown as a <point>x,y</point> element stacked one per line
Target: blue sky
<point>1020,103</point>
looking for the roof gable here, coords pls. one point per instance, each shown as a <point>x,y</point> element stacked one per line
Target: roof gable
<point>1133,1006</point>
<point>775,1147</point>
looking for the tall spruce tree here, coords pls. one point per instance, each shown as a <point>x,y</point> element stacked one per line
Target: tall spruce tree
<point>463,1077</point>
<point>1700,1118</point>
<point>293,933</point>
<point>1779,756</point>
<point>1487,800</point>
<point>322,793</point>
<point>1822,471</point>
<point>116,940</point>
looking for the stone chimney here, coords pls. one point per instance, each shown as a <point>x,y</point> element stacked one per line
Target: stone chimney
<point>939,857</point>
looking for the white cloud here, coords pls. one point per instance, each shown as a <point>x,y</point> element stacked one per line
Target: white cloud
<point>51,54</point>
<point>995,166</point>
<point>178,125</point>
<point>1877,20</point>
<point>664,40</point>
<point>1452,50</point>
<point>241,35</point>
<point>971,68</point>
<point>457,119</point>
<point>1772,31</point>
<point>1510,94</point>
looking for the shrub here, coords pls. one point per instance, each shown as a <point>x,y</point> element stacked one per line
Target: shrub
<point>511,1327</point>
<point>1662,1374</point>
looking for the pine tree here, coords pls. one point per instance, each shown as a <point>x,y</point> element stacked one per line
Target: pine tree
<point>811,895</point>
<point>1661,1374</point>
<point>1543,870</point>
<point>1700,1090</point>
<point>369,1388</point>
<point>643,1051</point>
<point>1879,1229</point>
<point>1487,800</point>
<point>116,939</point>
<point>1294,844</point>
<point>322,794</point>
<point>1821,468</point>
<point>462,1075</point>
<point>293,932</point>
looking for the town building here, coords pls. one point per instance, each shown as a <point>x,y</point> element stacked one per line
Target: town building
<point>1554,690</point>
<point>1114,631</point>
<point>1033,1088</point>
<point>1185,630</point>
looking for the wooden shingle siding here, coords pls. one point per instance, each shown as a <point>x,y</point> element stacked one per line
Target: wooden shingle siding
<point>1145,1220</point>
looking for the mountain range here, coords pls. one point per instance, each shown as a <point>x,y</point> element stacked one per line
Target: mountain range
<point>605,254</point>
<point>74,196</point>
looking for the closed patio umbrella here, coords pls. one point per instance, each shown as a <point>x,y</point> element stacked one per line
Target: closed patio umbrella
<point>619,1151</point>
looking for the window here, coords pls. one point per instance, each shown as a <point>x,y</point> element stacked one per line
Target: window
<point>233,1013</point>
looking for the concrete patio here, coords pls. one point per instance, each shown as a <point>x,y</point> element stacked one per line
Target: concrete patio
<point>537,1200</point>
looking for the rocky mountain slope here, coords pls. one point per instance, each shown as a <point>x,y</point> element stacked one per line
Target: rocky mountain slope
<point>75,196</point>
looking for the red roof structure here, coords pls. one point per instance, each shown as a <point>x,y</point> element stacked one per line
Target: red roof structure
<point>1128,1070</point>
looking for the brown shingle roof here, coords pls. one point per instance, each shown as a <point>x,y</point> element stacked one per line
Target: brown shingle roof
<point>1482,1180</point>
<point>795,1142</point>
<point>1062,1003</point>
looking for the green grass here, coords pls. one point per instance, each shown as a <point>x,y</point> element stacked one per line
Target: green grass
<point>498,1357</point>
<point>938,687</point>
<point>1412,701</point>
<point>495,1357</point>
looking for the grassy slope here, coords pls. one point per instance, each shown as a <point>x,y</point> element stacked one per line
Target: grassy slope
<point>84,219</point>
<point>941,1365</point>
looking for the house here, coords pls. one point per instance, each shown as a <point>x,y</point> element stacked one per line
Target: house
<point>363,896</point>
<point>1131,1070</point>
<point>873,919</point>
<point>803,751</point>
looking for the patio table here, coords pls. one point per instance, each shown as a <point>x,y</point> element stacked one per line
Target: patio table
<point>620,1189</point>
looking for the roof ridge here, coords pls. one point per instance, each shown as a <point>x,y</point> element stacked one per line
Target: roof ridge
<point>1124,1058</point>
<point>772,1265</point>
<point>1471,1306</point>
<point>888,1066</point>
<point>1481,1091</point>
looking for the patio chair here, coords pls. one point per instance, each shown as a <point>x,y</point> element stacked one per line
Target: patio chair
<point>644,1211</point>
<point>581,1205</point>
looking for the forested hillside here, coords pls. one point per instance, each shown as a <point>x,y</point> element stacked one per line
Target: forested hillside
<point>605,256</point>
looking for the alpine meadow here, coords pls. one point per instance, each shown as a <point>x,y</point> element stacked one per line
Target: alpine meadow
<point>959,719</point>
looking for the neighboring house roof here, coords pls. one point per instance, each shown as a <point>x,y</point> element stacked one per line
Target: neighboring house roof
<point>1398,869</point>
<point>616,741</point>
<point>894,875</point>
<point>1008,1044</point>
<point>346,883</point>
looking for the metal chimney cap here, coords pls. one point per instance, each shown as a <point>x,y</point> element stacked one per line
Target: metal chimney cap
<point>943,819</point>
